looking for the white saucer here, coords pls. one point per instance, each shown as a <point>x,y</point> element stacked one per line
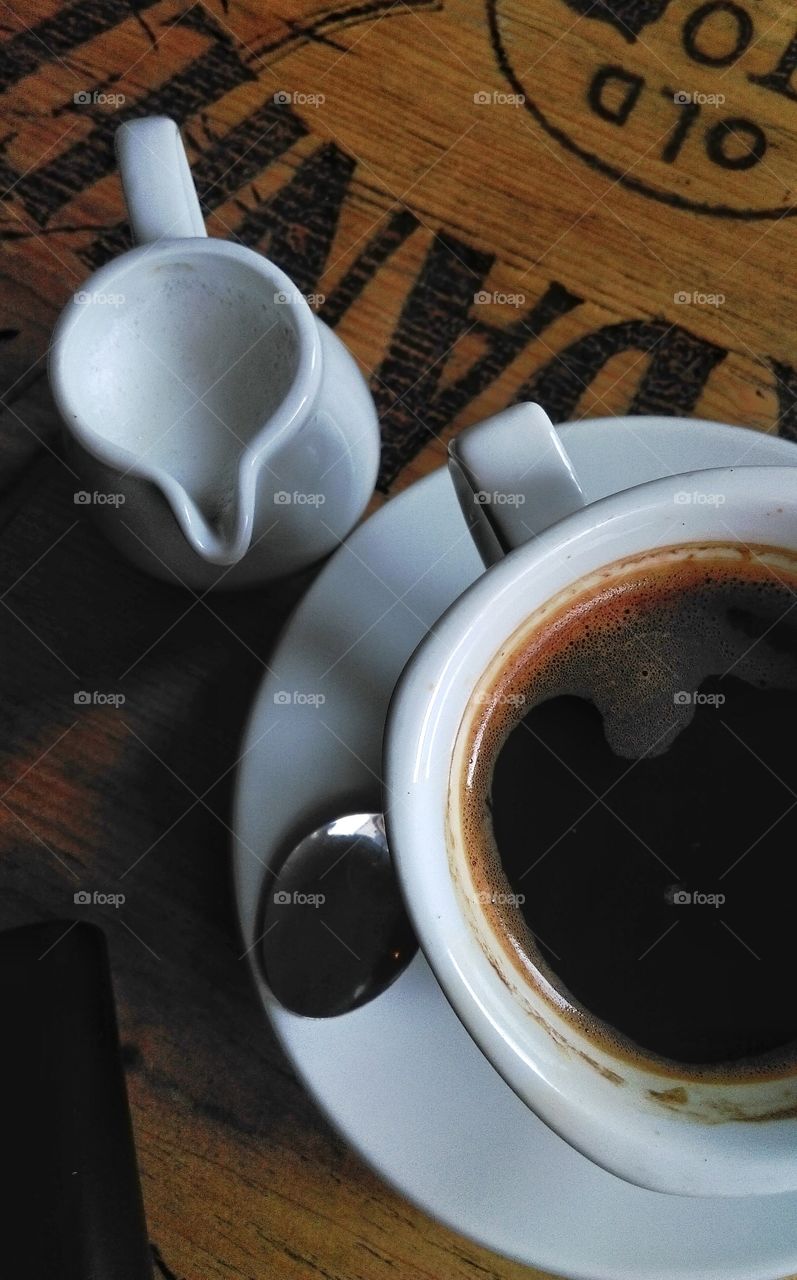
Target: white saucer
<point>400,1078</point>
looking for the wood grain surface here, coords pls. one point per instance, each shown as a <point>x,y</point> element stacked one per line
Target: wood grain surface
<point>582,202</point>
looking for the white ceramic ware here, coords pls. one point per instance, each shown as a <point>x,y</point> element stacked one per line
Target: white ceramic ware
<point>401,1079</point>
<point>667,1129</point>
<point>222,433</point>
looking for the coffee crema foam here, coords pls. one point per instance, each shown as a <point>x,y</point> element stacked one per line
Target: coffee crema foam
<point>694,611</point>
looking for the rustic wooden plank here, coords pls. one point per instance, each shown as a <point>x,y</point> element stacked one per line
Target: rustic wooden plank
<point>599,245</point>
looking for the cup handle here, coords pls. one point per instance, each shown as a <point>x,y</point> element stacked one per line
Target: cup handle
<point>512,478</point>
<point>156,181</point>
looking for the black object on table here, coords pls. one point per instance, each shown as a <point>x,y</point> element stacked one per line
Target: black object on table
<point>71,1206</point>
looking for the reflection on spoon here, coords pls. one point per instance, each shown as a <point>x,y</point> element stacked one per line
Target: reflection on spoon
<point>336,933</point>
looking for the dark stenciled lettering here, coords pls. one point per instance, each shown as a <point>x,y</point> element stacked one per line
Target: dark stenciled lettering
<point>378,249</point>
<point>626,16</point>
<point>779,79</point>
<point>612,107</point>
<point>688,112</point>
<point>714,34</point>
<point>433,319</point>
<point>45,190</point>
<point>297,225</point>
<point>786,391</point>
<point>502,346</point>
<point>679,367</point>
<point>227,164</point>
<point>67,29</point>
<point>724,137</point>
<point>414,409</point>
<point>695,22</point>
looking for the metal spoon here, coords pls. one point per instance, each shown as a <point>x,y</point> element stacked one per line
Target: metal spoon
<point>335,931</point>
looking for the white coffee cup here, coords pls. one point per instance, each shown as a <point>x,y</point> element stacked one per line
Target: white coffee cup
<point>665,1131</point>
<point>221,432</point>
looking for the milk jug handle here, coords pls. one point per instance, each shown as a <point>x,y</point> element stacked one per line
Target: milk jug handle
<point>158,188</point>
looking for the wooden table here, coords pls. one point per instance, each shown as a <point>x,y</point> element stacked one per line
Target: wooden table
<point>581,203</point>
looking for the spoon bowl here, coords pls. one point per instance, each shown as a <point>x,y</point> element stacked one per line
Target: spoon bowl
<point>335,933</point>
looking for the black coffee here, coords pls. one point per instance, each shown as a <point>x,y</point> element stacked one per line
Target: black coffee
<point>633,781</point>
